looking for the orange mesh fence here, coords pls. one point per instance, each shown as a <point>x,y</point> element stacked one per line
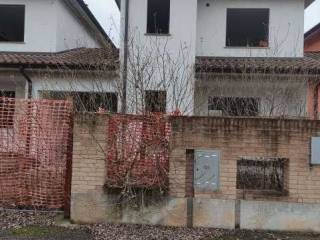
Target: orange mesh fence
<point>34,138</point>
<point>138,151</point>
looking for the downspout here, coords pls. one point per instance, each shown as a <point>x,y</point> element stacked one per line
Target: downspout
<point>316,101</point>
<point>29,110</point>
<point>125,59</point>
<point>29,81</point>
<point>190,157</point>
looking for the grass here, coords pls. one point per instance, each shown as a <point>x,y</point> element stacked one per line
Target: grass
<point>31,231</point>
<point>49,232</point>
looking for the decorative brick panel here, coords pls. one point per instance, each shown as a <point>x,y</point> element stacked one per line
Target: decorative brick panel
<point>241,137</point>
<point>89,153</point>
<point>234,137</point>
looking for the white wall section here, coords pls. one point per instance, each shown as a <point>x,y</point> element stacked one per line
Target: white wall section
<point>50,26</point>
<point>286,28</point>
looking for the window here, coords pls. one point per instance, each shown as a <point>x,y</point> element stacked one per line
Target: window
<point>12,23</point>
<point>247,28</point>
<point>265,174</point>
<point>234,106</point>
<point>155,101</point>
<point>7,105</point>
<point>158,16</point>
<point>7,94</point>
<point>86,101</point>
<point>92,102</point>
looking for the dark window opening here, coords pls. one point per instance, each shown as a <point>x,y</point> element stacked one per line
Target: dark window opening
<point>155,101</point>
<point>86,101</point>
<point>247,28</point>
<point>158,16</point>
<point>12,23</point>
<point>234,106</point>
<point>7,94</point>
<point>263,174</point>
<point>7,106</point>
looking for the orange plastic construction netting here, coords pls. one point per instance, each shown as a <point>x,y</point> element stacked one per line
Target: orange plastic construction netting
<point>138,151</point>
<point>34,142</point>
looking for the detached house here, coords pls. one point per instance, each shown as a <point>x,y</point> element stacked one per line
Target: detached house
<point>312,39</point>
<point>50,47</point>
<point>217,57</point>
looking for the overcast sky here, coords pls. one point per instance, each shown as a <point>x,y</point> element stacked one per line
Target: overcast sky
<point>107,13</point>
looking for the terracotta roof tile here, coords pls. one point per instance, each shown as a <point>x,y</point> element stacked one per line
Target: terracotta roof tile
<point>313,55</point>
<point>304,65</point>
<point>75,58</point>
<point>312,31</point>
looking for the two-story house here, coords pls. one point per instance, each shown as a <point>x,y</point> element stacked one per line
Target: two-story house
<point>312,39</point>
<point>48,47</point>
<point>217,57</point>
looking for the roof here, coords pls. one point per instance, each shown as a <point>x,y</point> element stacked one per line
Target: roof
<point>92,18</point>
<point>118,2</point>
<point>313,55</point>
<point>307,3</point>
<point>79,58</point>
<point>304,65</point>
<point>312,31</point>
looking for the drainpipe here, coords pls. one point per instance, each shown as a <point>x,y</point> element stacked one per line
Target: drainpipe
<point>316,101</point>
<point>190,157</point>
<point>125,59</point>
<point>28,79</point>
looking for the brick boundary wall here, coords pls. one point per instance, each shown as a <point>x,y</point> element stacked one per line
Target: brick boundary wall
<point>225,208</point>
<point>88,167</point>
<point>247,137</point>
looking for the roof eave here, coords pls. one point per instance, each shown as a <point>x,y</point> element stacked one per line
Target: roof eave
<point>54,66</point>
<point>118,2</point>
<point>296,66</point>
<point>83,9</point>
<point>312,31</point>
<point>308,3</point>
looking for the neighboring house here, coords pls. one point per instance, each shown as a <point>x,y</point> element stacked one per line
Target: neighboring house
<point>314,90</point>
<point>54,46</point>
<point>312,39</point>
<point>248,57</point>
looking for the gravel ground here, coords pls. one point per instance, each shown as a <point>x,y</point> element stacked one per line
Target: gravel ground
<point>36,225</point>
<point>139,232</point>
<point>263,235</point>
<point>10,219</point>
<point>17,225</point>
<point>135,232</point>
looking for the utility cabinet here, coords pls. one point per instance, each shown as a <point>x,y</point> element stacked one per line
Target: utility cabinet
<point>206,172</point>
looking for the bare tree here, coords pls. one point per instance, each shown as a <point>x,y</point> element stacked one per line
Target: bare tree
<point>161,79</point>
